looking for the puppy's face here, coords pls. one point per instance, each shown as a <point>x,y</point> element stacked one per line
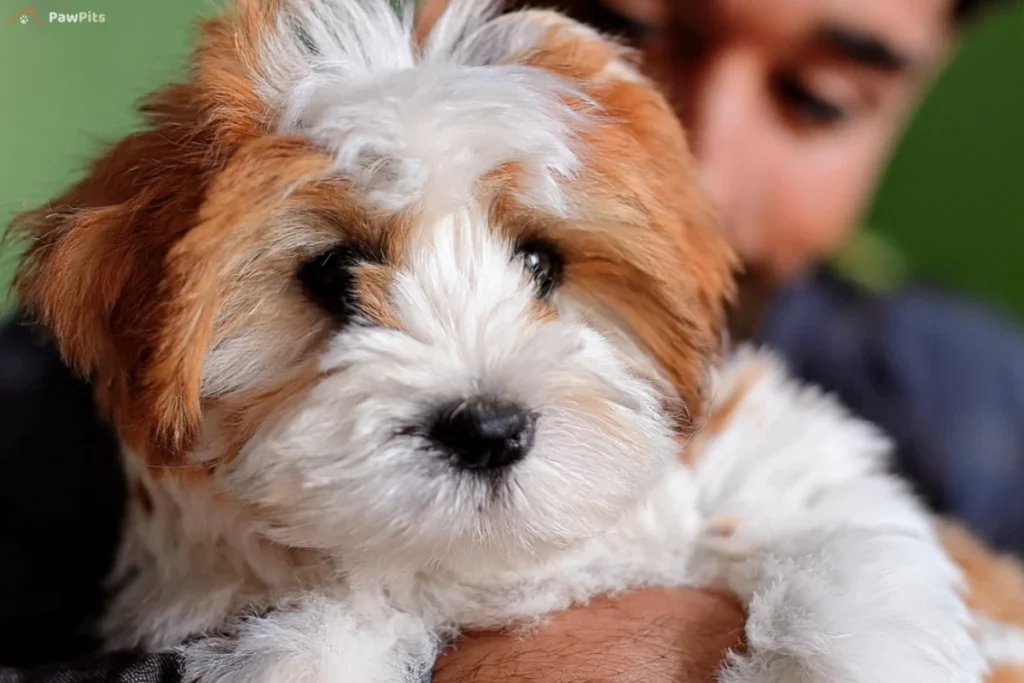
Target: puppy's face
<point>394,298</point>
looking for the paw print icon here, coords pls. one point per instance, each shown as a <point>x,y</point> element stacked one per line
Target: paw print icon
<point>24,16</point>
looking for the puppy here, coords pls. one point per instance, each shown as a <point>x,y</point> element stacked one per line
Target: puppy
<point>407,336</point>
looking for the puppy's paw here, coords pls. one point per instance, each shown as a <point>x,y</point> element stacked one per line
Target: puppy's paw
<point>228,660</point>
<point>319,641</point>
<point>850,605</point>
<point>222,660</point>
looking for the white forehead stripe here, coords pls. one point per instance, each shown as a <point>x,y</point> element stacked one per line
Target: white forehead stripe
<point>405,123</point>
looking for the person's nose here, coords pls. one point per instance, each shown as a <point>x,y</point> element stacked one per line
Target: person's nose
<point>725,131</point>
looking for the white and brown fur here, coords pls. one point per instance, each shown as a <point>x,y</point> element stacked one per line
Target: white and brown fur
<point>290,524</point>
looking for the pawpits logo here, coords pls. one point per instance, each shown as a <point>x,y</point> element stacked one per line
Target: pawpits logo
<point>30,15</point>
<point>24,16</point>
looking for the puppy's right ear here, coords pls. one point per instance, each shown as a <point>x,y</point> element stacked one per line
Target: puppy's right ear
<point>94,262</point>
<point>75,269</point>
<point>88,259</point>
<point>100,268</point>
<point>94,253</point>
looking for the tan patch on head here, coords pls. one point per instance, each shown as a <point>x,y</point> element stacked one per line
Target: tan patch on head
<point>576,51</point>
<point>995,583</point>
<point>330,202</point>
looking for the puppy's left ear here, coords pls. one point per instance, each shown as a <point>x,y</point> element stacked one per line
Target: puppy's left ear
<point>691,272</point>
<point>650,248</point>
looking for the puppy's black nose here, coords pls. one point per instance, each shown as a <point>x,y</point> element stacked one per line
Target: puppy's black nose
<point>484,433</point>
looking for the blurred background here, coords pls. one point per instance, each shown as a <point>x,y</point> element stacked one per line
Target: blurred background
<point>950,209</point>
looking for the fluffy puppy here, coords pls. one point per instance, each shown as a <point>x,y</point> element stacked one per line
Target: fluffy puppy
<point>402,337</point>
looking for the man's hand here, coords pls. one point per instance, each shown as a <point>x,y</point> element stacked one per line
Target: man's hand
<point>654,636</point>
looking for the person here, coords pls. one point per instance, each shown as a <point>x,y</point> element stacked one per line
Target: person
<point>793,108</point>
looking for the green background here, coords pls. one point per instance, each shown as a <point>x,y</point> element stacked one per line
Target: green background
<point>951,206</point>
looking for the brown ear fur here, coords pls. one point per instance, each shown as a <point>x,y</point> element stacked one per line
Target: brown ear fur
<point>96,254</point>
<point>672,287</point>
<point>99,255</point>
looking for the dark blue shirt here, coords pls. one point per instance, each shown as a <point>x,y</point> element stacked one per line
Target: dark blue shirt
<point>942,375</point>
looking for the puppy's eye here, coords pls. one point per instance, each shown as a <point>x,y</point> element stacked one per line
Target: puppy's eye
<point>328,279</point>
<point>544,265</point>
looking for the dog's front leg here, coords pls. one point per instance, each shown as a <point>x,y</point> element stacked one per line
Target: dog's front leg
<point>842,574</point>
<point>316,640</point>
<point>850,604</point>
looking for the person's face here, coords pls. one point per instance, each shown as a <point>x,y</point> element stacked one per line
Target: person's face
<point>792,105</point>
